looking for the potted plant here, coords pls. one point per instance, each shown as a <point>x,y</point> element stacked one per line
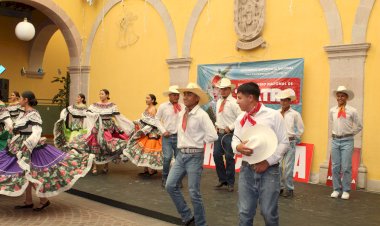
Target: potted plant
<point>62,98</point>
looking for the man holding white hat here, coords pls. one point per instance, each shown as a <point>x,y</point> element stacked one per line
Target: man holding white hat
<point>227,110</point>
<point>195,129</point>
<point>259,179</point>
<point>345,125</point>
<point>295,128</point>
<point>168,115</point>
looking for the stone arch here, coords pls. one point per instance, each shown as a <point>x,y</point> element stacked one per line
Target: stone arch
<point>64,24</point>
<point>37,49</point>
<point>157,5</point>
<point>333,20</point>
<point>359,29</point>
<point>72,37</point>
<point>191,26</point>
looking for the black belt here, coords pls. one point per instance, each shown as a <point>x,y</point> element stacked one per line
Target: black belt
<point>245,163</point>
<point>23,133</point>
<point>292,138</point>
<point>342,136</point>
<point>191,150</point>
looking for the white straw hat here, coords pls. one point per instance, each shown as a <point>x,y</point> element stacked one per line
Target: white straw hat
<point>343,89</point>
<point>224,83</point>
<point>262,140</point>
<point>194,88</point>
<point>172,89</point>
<point>286,93</point>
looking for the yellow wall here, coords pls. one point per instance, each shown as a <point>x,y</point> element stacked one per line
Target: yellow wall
<point>371,141</point>
<point>14,55</point>
<point>132,72</point>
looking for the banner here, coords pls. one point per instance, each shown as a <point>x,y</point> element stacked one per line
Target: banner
<point>271,76</point>
<point>355,169</point>
<point>302,161</point>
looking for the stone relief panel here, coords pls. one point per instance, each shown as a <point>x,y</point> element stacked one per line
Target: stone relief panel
<point>249,17</point>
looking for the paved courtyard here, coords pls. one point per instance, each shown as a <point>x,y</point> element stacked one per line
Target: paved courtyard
<point>70,210</point>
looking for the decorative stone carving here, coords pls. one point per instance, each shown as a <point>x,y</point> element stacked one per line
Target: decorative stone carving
<point>249,23</point>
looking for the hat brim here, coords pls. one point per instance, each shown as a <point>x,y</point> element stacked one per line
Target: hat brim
<point>232,86</point>
<point>349,93</point>
<point>292,97</point>
<point>262,140</point>
<point>203,97</point>
<point>167,93</point>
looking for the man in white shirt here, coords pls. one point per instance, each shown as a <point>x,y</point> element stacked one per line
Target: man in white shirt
<point>295,128</point>
<point>345,124</point>
<point>195,129</point>
<point>168,115</point>
<point>227,110</point>
<point>260,182</point>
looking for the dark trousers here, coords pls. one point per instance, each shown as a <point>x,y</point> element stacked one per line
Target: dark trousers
<point>226,172</point>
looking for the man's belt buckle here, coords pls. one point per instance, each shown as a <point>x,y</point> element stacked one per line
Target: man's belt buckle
<point>341,136</point>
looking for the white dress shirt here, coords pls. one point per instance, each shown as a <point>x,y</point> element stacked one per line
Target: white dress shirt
<point>345,126</point>
<point>199,129</point>
<point>227,117</point>
<point>293,122</point>
<point>268,117</point>
<point>168,118</point>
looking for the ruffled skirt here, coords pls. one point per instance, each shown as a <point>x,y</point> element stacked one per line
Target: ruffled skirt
<point>50,169</point>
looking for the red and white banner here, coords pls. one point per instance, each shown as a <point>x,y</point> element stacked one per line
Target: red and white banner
<point>355,169</point>
<point>302,164</point>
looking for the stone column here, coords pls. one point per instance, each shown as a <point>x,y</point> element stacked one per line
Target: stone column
<point>347,68</point>
<point>79,81</point>
<point>179,71</point>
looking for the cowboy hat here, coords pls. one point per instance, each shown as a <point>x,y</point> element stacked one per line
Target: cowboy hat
<point>343,89</point>
<point>194,88</point>
<point>224,83</point>
<point>172,89</point>
<point>262,140</point>
<point>286,93</point>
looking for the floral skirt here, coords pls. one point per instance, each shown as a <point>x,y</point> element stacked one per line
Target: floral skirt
<point>106,147</point>
<point>50,169</point>
<point>63,135</point>
<point>145,150</point>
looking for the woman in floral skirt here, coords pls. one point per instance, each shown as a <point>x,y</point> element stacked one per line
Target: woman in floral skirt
<point>70,123</point>
<point>28,162</point>
<point>108,132</point>
<point>145,146</point>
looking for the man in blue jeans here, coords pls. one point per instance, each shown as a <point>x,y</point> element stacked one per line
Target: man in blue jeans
<point>258,182</point>
<point>194,131</point>
<point>345,125</point>
<point>295,128</point>
<point>168,115</point>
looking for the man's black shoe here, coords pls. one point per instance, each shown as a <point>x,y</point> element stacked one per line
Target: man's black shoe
<point>287,194</point>
<point>190,222</point>
<point>221,184</point>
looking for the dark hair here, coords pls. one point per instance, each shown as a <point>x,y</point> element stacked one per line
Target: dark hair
<point>32,101</point>
<point>106,92</point>
<point>17,94</point>
<point>83,97</point>
<point>153,97</point>
<point>249,88</point>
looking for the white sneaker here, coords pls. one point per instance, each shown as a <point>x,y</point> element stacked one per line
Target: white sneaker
<point>345,195</point>
<point>335,194</point>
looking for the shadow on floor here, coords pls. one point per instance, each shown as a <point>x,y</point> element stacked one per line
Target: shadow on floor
<point>122,187</point>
